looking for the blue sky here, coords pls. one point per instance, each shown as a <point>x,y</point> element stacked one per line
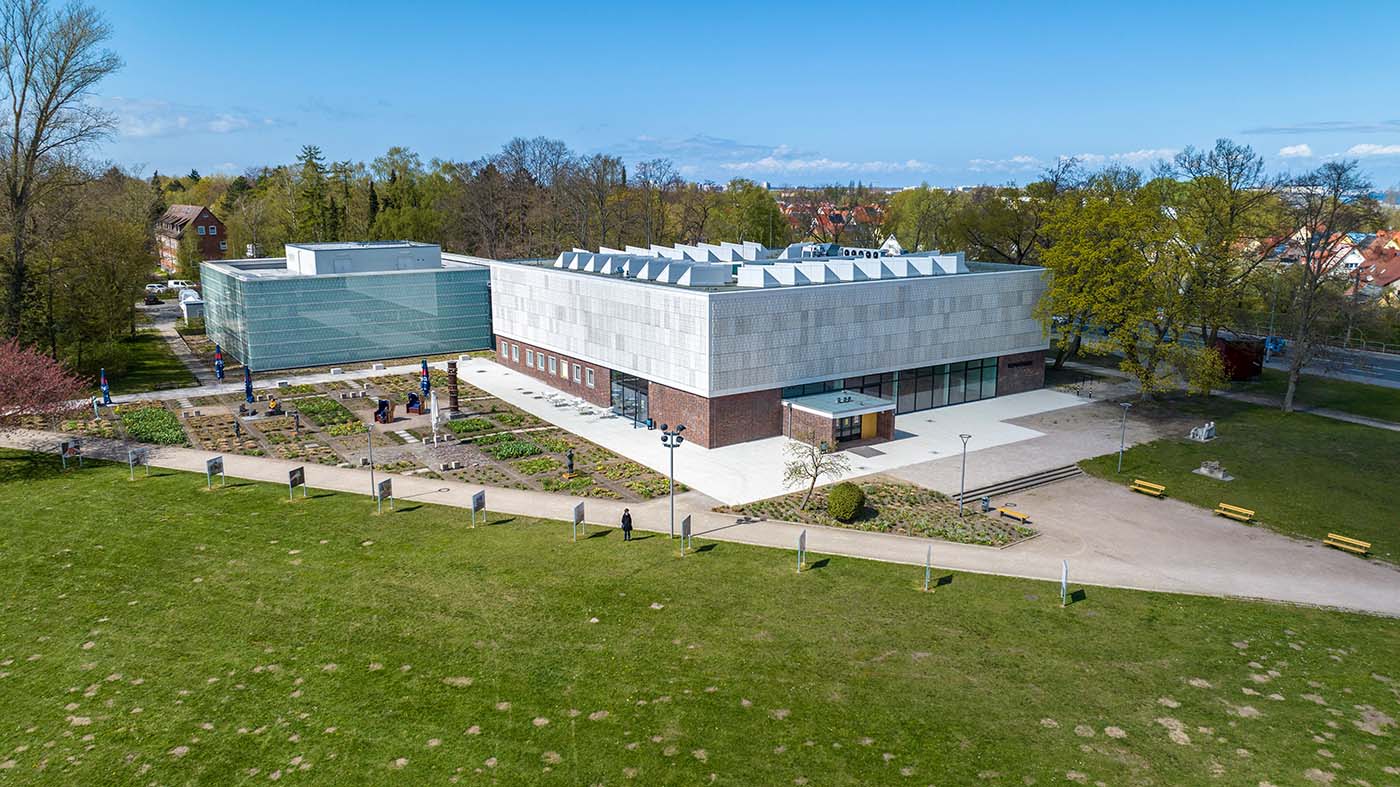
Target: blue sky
<point>895,93</point>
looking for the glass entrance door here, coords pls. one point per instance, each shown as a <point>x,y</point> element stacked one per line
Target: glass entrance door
<point>629,397</point>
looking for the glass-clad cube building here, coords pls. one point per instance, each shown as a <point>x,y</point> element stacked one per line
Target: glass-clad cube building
<point>333,303</point>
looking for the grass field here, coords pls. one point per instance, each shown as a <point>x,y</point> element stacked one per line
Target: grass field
<point>153,632</point>
<point>1305,475</point>
<point>1372,401</point>
<point>152,365</point>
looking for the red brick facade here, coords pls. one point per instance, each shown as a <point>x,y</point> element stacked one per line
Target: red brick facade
<point>531,360</point>
<point>1021,372</point>
<point>801,424</point>
<point>724,420</point>
<point>179,219</point>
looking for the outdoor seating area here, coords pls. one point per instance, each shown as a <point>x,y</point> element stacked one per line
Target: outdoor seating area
<point>1148,488</point>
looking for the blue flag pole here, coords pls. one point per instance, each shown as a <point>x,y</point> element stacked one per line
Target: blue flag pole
<point>248,384</point>
<point>106,389</point>
<point>423,380</point>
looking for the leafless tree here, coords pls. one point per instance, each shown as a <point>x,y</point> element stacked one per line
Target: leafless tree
<point>809,461</point>
<point>1322,206</point>
<point>52,58</point>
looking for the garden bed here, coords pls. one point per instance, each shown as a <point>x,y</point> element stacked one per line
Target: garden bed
<point>216,433</point>
<point>903,509</point>
<point>150,422</point>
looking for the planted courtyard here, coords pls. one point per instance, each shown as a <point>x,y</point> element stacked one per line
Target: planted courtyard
<point>159,633</point>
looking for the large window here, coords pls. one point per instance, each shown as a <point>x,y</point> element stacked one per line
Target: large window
<point>920,388</point>
<point>629,396</point>
<point>847,428</point>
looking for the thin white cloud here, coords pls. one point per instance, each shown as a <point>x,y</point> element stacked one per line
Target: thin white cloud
<point>778,163</point>
<point>1369,149</point>
<point>1131,158</point>
<point>1020,163</point>
<point>148,117</point>
<point>1295,151</point>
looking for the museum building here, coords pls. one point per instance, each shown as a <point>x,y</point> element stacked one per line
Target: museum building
<point>815,341</point>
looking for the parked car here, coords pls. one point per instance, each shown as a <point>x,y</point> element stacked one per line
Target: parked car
<point>152,299</point>
<point>180,284</point>
<point>155,289</point>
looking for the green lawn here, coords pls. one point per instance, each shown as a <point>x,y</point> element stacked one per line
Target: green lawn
<point>153,632</point>
<point>152,365</point>
<point>1372,401</point>
<point>1305,475</point>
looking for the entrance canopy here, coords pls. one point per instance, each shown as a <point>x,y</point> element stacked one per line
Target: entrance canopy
<point>839,404</point>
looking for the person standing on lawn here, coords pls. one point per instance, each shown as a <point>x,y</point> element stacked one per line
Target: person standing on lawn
<point>626,524</point>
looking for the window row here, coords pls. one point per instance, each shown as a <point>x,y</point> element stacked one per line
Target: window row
<point>921,388</point>
<point>211,230</point>
<point>538,361</point>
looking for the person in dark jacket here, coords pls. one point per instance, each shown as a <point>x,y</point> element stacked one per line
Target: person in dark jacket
<point>626,524</point>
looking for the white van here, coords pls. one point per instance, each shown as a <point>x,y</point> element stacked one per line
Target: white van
<point>180,284</point>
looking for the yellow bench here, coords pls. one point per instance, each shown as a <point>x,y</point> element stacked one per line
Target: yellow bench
<point>1016,515</point>
<point>1234,512</point>
<point>1148,488</point>
<point>1349,544</point>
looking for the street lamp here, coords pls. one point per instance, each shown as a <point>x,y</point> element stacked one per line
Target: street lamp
<point>962,484</point>
<point>672,440</point>
<point>1123,433</point>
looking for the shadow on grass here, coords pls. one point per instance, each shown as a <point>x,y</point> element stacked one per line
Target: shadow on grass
<point>1076,596</point>
<point>946,579</point>
<point>705,547</point>
<point>599,534</point>
<point>823,563</point>
<point>406,509</point>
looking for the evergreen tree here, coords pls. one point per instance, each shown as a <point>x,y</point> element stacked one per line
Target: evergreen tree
<point>193,177</point>
<point>310,208</point>
<point>373,212</point>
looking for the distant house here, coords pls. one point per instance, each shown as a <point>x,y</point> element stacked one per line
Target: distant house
<point>179,219</point>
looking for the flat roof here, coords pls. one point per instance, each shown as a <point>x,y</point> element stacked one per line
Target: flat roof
<point>839,404</point>
<point>360,244</point>
<point>276,268</point>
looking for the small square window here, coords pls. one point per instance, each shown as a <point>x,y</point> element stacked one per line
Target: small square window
<point>553,365</point>
<point>578,373</point>
<point>200,228</point>
<point>223,245</point>
<point>213,230</point>
<point>588,373</point>
<point>515,353</point>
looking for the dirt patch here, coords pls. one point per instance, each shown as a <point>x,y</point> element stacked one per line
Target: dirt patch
<point>1373,721</point>
<point>1176,731</point>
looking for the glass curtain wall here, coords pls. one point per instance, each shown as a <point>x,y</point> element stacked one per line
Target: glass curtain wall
<point>629,396</point>
<point>920,388</point>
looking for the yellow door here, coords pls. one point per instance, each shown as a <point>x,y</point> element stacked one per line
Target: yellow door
<point>867,426</point>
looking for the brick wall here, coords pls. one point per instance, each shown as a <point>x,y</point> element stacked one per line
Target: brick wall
<point>809,427</point>
<point>1020,372</point>
<point>724,420</point>
<point>600,394</point>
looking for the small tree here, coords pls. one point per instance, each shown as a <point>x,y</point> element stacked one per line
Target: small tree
<point>32,383</point>
<point>808,461</point>
<point>188,255</point>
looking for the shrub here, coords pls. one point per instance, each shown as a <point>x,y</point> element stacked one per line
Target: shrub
<point>346,429</point>
<point>540,464</point>
<point>845,501</point>
<point>514,449</point>
<point>153,425</point>
<point>470,425</point>
<point>324,412</point>
<point>493,439</point>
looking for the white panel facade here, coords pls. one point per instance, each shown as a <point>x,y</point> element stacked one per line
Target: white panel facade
<point>657,332</point>
<point>770,338</point>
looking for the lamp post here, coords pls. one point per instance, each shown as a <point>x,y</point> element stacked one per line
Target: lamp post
<point>1123,433</point>
<point>962,483</point>
<point>672,440</point>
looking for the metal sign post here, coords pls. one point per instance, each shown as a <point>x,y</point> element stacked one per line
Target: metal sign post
<point>685,535</point>
<point>928,568</point>
<point>296,477</point>
<point>95,414</point>
<point>1064,582</point>
<point>212,466</point>
<point>135,456</point>
<point>385,489</point>
<point>479,504</point>
<point>578,520</point>
<point>801,550</point>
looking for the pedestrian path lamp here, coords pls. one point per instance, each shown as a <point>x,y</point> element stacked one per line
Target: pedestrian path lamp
<point>672,440</point>
<point>1123,433</point>
<point>962,483</point>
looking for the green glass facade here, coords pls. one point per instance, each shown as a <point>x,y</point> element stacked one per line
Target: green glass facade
<point>270,320</point>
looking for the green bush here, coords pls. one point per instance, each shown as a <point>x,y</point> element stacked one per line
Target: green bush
<point>324,412</point>
<point>493,439</point>
<point>346,429</point>
<point>845,501</point>
<point>470,425</point>
<point>514,449</point>
<point>540,464</point>
<point>153,425</point>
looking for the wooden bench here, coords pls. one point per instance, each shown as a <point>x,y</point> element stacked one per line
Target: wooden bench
<point>1234,512</point>
<point>1349,544</point>
<point>1024,519</point>
<point>1148,488</point>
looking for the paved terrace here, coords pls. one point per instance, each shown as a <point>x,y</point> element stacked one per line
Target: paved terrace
<point>1110,536</point>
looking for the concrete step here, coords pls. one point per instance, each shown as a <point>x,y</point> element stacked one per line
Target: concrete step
<point>1023,483</point>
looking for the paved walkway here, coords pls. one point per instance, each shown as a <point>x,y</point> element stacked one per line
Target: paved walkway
<point>1109,535</point>
<point>1336,415</point>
